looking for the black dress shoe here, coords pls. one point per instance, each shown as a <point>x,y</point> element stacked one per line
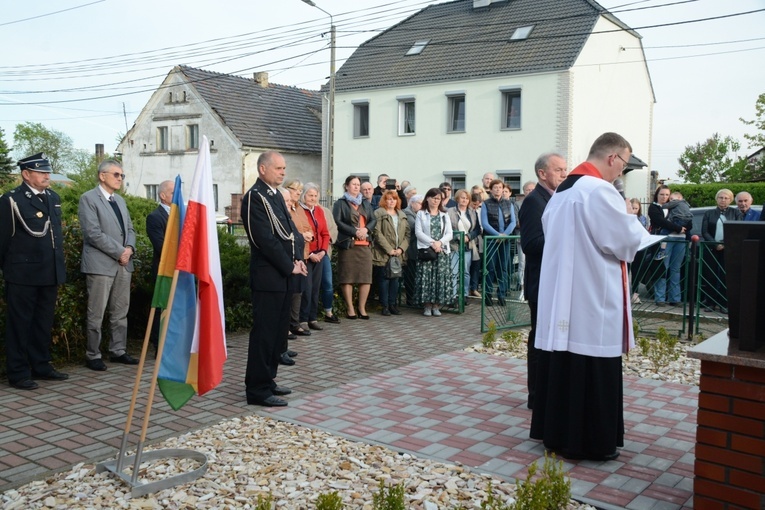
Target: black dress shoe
<point>125,359</point>
<point>501,301</point>
<point>281,390</point>
<point>351,317</point>
<point>272,401</point>
<point>25,384</point>
<point>53,375</point>
<point>332,319</point>
<point>96,364</point>
<point>488,301</point>
<point>363,317</point>
<point>292,336</point>
<point>291,354</point>
<point>394,310</point>
<point>315,325</point>
<point>301,332</point>
<point>386,311</point>
<point>284,359</point>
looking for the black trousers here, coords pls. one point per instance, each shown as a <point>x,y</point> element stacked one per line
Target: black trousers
<point>29,320</point>
<point>532,356</point>
<point>270,324</point>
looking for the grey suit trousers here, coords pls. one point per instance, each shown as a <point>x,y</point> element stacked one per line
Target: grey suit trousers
<point>112,292</point>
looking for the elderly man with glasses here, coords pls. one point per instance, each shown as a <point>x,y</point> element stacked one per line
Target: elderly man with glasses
<point>107,262</point>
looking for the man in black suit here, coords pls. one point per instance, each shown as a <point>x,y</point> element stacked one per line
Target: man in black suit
<point>551,171</point>
<point>156,224</point>
<point>32,260</point>
<point>276,252</point>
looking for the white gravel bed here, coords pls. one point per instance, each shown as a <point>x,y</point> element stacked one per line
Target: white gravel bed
<point>684,370</point>
<point>255,455</point>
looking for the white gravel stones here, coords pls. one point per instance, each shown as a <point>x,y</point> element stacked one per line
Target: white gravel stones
<point>257,456</point>
<point>685,370</point>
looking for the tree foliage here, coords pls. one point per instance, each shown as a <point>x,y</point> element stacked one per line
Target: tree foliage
<point>712,160</point>
<point>757,140</point>
<point>32,137</point>
<point>6,161</point>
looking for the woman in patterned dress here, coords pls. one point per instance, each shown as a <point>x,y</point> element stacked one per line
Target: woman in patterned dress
<point>433,230</point>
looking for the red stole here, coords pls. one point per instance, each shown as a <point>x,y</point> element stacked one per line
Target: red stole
<point>589,169</point>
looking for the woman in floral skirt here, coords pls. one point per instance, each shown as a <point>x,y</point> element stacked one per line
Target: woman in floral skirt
<point>434,231</point>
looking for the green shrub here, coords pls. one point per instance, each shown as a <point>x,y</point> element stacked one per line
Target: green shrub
<point>331,501</point>
<point>699,195</point>
<point>661,351</point>
<point>389,498</point>
<point>550,490</point>
<point>264,502</point>
<point>513,339</point>
<point>490,336</point>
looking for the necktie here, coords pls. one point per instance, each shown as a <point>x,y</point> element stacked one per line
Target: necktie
<point>44,197</point>
<point>116,208</point>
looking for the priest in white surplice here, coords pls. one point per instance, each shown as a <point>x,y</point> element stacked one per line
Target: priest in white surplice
<point>584,322</point>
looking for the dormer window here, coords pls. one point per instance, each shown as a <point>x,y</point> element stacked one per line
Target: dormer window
<point>521,33</point>
<point>417,48</point>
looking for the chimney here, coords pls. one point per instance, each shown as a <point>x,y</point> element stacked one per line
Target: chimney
<point>99,152</point>
<point>261,78</point>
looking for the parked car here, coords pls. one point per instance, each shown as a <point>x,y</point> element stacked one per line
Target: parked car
<point>698,216</point>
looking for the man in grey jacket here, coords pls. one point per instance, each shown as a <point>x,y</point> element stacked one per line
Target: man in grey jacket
<point>107,262</point>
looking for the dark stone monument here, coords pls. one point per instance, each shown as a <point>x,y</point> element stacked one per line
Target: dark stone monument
<point>745,282</point>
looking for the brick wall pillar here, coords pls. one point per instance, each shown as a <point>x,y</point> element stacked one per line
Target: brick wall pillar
<point>730,438</point>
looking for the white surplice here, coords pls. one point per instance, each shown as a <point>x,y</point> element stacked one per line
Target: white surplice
<point>588,232</point>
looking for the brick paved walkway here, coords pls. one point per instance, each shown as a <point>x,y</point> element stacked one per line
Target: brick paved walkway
<point>402,382</point>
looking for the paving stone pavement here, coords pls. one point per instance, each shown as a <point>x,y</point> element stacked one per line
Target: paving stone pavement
<point>403,382</point>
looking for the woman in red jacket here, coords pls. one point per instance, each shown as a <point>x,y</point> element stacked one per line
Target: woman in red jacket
<point>317,250</point>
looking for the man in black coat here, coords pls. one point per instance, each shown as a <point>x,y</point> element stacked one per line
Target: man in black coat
<point>276,252</point>
<point>551,171</point>
<point>156,224</point>
<point>32,260</point>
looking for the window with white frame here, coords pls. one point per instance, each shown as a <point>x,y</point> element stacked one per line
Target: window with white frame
<point>360,119</point>
<point>163,142</point>
<point>511,108</point>
<point>456,178</point>
<point>192,136</point>
<point>405,116</point>
<point>152,191</point>
<point>512,178</point>
<point>456,112</point>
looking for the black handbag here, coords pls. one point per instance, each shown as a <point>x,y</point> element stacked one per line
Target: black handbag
<point>426,254</point>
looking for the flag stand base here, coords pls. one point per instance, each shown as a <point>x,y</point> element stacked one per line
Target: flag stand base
<point>141,489</point>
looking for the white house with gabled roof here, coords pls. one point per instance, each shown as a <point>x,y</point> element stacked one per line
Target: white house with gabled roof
<point>474,86</point>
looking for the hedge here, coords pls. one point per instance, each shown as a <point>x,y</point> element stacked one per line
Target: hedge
<point>69,323</point>
<point>699,195</point>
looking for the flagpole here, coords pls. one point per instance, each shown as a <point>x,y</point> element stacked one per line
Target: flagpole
<point>153,387</point>
<point>136,387</point>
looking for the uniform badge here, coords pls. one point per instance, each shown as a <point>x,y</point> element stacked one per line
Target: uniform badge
<point>28,194</point>
<point>39,214</point>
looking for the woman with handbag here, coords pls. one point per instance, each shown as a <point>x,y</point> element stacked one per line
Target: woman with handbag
<point>355,223</point>
<point>391,237</point>
<point>433,231</point>
<point>465,220</point>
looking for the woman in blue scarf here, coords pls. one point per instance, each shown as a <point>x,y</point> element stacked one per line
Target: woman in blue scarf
<point>355,222</point>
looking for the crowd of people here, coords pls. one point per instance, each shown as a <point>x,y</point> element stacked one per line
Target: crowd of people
<point>577,235</point>
<point>671,216</point>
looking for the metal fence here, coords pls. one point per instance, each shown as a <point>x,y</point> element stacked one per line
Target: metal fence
<point>677,285</point>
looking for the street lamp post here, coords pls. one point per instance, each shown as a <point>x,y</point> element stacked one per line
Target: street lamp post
<point>331,129</point>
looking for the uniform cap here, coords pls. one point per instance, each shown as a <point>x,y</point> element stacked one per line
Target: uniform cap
<point>37,163</point>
